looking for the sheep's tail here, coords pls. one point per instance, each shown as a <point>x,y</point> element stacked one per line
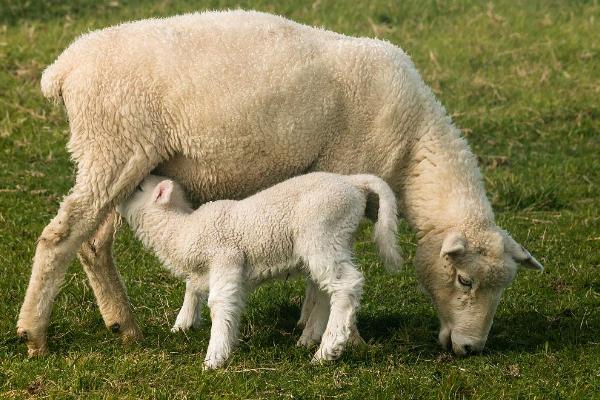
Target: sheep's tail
<point>53,79</point>
<point>386,226</point>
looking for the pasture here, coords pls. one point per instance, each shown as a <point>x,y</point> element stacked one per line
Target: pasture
<point>522,81</point>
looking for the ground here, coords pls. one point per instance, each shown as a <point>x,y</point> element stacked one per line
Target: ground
<point>522,80</point>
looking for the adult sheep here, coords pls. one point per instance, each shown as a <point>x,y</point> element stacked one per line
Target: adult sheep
<point>228,103</point>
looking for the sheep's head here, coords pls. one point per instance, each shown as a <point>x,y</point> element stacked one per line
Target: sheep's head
<point>465,274</point>
<point>155,193</point>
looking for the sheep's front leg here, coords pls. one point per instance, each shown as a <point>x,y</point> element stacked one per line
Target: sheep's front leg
<point>190,315</point>
<point>226,302</point>
<point>77,218</point>
<point>96,257</point>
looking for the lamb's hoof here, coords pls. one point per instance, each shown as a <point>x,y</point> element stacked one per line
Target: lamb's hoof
<point>213,363</point>
<point>325,355</point>
<point>301,323</point>
<point>36,346</point>
<point>306,341</point>
<point>179,328</point>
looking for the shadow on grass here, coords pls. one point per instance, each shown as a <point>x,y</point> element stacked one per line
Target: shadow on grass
<point>401,334</point>
<point>530,331</point>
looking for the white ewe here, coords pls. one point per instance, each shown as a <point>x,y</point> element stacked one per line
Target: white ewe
<point>227,247</point>
<point>228,103</point>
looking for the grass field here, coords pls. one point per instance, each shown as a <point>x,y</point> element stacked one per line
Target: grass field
<point>522,78</point>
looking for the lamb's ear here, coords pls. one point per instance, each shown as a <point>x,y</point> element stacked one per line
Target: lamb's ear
<point>162,192</point>
<point>521,255</point>
<point>454,244</point>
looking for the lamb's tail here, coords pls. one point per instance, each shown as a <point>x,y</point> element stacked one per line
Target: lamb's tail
<point>386,226</point>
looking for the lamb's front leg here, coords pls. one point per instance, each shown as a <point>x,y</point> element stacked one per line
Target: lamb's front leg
<point>190,315</point>
<point>226,301</point>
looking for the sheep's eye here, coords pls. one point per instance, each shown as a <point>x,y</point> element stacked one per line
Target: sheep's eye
<point>465,281</point>
<point>139,187</point>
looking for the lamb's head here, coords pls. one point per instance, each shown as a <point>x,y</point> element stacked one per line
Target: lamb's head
<point>155,193</point>
<point>465,274</point>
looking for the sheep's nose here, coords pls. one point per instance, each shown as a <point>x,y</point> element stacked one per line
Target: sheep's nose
<point>467,349</point>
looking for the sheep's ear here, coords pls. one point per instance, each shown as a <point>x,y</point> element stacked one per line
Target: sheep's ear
<point>162,192</point>
<point>521,255</point>
<point>454,244</point>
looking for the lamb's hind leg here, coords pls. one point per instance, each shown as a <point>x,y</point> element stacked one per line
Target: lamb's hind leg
<point>226,299</point>
<point>316,317</point>
<point>344,283</point>
<point>310,298</point>
<point>96,190</point>
<point>97,260</point>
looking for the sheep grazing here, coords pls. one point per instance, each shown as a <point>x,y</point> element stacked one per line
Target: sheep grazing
<point>229,103</point>
<point>227,247</point>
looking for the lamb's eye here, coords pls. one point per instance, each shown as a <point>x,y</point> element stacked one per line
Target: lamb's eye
<point>139,187</point>
<point>466,282</point>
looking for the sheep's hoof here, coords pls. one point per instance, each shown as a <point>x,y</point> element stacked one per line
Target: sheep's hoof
<point>22,336</point>
<point>37,351</point>
<point>129,332</point>
<point>131,335</point>
<point>35,347</point>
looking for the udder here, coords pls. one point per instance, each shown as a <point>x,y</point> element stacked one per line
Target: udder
<point>226,180</point>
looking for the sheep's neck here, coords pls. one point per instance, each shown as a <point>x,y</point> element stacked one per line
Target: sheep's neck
<point>443,187</point>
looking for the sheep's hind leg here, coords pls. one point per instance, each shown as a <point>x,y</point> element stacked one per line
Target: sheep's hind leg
<point>96,257</point>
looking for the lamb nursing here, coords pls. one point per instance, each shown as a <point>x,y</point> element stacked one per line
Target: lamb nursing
<point>229,103</point>
<point>305,224</point>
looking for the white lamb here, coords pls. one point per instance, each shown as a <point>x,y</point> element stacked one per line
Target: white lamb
<point>227,247</point>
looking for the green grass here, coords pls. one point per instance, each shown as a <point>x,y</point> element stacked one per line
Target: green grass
<point>523,81</point>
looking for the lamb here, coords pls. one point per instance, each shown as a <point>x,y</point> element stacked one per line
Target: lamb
<point>229,103</point>
<point>227,247</point>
